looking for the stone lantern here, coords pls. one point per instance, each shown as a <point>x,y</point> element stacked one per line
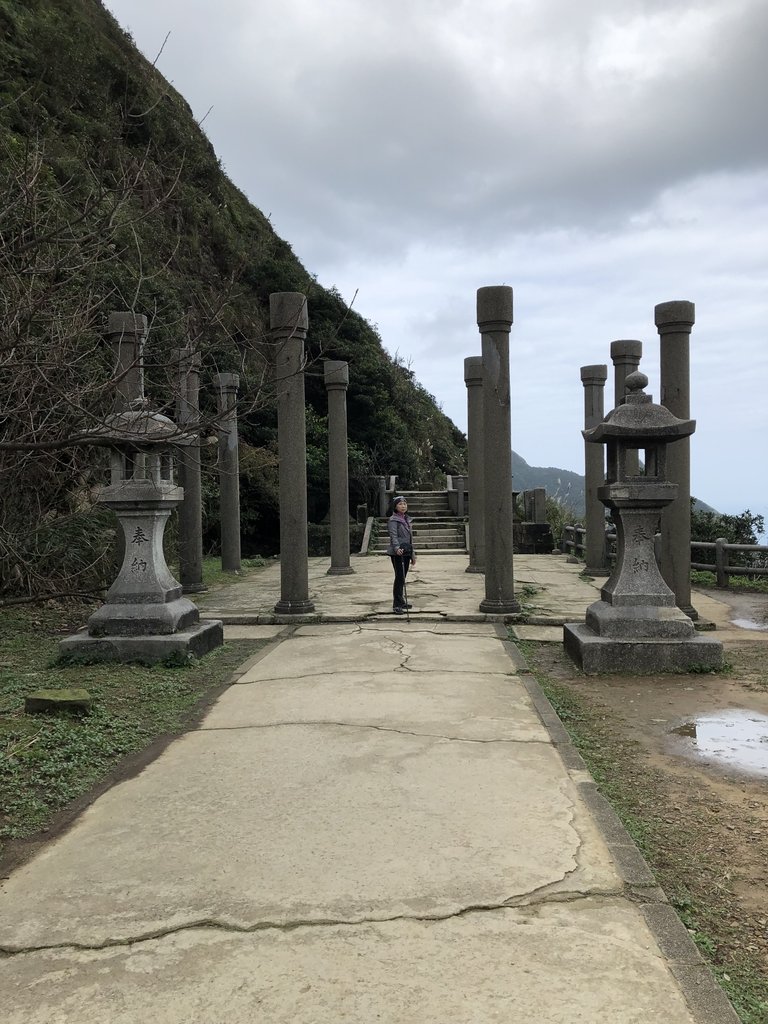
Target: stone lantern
<point>636,626</point>
<point>145,617</point>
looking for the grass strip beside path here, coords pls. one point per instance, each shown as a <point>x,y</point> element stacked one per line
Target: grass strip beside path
<point>49,760</point>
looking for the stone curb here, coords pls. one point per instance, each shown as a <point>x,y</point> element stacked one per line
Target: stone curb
<point>272,619</point>
<point>705,998</point>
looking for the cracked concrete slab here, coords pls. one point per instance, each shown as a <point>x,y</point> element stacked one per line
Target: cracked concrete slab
<point>381,652</point>
<point>590,961</point>
<point>452,705</point>
<point>308,823</point>
<point>442,627</point>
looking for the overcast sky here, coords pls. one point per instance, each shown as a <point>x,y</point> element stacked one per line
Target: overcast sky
<point>599,156</point>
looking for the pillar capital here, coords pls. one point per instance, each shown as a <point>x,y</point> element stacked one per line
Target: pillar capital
<point>336,374</point>
<point>494,308</point>
<point>288,314</point>
<point>676,317</point>
<point>188,358</point>
<point>626,350</point>
<point>595,374</point>
<point>473,371</point>
<point>127,333</point>
<point>228,382</point>
<point>127,323</point>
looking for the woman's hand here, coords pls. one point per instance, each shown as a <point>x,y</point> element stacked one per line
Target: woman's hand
<point>398,551</point>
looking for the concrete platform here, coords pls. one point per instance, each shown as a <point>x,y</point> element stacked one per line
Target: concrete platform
<point>380,821</point>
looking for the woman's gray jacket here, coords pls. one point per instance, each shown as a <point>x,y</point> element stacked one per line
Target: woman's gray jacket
<point>400,535</point>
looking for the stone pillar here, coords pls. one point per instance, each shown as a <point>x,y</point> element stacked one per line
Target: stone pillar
<point>127,333</point>
<point>473,378</point>
<point>593,378</point>
<point>494,320</point>
<point>383,509</point>
<point>539,505</point>
<point>288,323</point>
<point>190,511</point>
<point>626,356</point>
<point>674,321</point>
<point>336,376</point>
<point>460,483</point>
<point>229,471</point>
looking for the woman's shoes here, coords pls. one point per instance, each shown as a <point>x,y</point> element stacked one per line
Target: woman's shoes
<point>398,609</point>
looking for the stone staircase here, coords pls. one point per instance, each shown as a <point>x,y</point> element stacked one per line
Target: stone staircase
<point>436,529</point>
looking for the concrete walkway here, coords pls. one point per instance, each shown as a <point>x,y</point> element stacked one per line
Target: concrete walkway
<point>378,821</point>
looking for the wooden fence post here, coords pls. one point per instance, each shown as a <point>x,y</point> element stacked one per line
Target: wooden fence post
<point>721,561</point>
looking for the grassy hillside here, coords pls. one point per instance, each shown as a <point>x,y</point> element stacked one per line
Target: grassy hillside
<point>111,197</point>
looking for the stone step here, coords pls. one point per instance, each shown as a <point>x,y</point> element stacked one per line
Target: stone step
<point>427,551</point>
<point>440,518</point>
<point>433,542</point>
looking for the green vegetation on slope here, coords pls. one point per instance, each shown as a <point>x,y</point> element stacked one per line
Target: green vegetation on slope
<point>111,197</point>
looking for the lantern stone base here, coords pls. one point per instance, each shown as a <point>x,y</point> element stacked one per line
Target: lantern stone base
<point>639,622</point>
<point>195,641</point>
<point>599,654</point>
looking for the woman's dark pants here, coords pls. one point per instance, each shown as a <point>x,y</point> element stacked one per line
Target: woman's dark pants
<point>401,564</point>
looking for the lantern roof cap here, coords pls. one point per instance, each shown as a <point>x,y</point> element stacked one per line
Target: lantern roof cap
<point>639,421</point>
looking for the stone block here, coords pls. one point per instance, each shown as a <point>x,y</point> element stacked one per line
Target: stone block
<point>638,622</point>
<point>58,700</point>
<point>597,654</point>
<point>135,620</point>
<point>195,641</point>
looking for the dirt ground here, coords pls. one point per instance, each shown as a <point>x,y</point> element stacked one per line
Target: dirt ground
<point>706,818</point>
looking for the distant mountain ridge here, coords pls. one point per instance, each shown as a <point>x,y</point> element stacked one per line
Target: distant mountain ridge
<point>565,486</point>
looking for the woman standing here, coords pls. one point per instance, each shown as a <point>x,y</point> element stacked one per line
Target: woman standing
<point>400,551</point>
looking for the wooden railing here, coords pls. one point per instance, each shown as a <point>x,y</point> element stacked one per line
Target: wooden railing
<point>574,543</point>
<point>722,567</point>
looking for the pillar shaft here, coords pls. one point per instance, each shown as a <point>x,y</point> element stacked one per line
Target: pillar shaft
<point>626,355</point>
<point>190,511</point>
<point>288,324</point>
<point>674,321</point>
<point>336,376</point>
<point>229,472</point>
<point>473,378</point>
<point>494,320</point>
<point>383,509</point>
<point>127,333</point>
<point>593,378</point>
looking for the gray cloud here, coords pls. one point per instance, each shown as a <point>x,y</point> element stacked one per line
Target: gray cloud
<point>600,157</point>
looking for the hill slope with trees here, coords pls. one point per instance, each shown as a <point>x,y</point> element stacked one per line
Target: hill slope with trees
<point>112,198</point>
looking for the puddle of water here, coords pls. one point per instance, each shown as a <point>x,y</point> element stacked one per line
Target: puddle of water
<point>750,624</point>
<point>735,738</point>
